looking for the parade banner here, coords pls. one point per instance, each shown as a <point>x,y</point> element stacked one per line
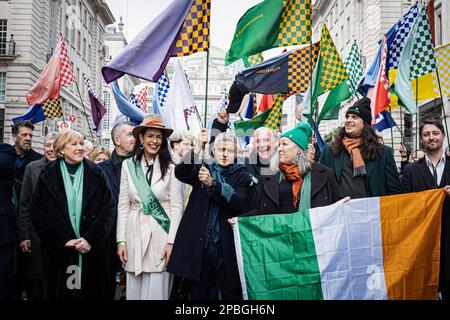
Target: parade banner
<point>364,249</point>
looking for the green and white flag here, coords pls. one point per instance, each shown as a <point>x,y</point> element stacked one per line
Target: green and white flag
<point>416,60</point>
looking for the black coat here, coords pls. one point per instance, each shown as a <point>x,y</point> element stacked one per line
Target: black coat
<point>269,196</point>
<point>29,157</point>
<point>417,177</point>
<point>8,234</point>
<point>52,223</point>
<point>33,260</point>
<point>187,254</point>
<point>382,176</point>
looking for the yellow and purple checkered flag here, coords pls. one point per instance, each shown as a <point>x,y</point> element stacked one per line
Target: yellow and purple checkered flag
<point>194,34</point>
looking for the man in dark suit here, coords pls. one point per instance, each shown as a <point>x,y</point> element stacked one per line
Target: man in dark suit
<point>8,235</point>
<point>29,241</point>
<point>122,137</point>
<point>22,135</point>
<point>431,172</point>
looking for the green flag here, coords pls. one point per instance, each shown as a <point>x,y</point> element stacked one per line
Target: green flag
<point>328,74</point>
<point>416,60</point>
<point>272,23</point>
<point>271,118</point>
<point>342,92</point>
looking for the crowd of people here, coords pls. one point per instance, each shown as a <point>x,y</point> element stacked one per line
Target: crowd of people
<point>153,219</point>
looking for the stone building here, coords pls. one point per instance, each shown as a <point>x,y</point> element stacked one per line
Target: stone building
<point>28,35</point>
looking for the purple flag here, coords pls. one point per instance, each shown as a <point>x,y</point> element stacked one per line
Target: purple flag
<point>98,109</point>
<point>147,55</point>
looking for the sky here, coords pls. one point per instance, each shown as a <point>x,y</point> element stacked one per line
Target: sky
<point>224,16</point>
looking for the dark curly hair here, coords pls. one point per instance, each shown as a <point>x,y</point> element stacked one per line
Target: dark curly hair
<point>165,158</point>
<point>371,147</point>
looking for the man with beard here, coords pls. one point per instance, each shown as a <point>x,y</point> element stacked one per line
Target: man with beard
<point>123,140</point>
<point>431,172</point>
<point>362,165</point>
<point>30,244</point>
<point>22,134</point>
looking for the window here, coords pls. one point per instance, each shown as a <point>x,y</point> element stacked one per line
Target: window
<point>79,42</point>
<point>438,28</point>
<point>89,54</point>
<point>2,124</point>
<point>347,31</point>
<point>3,37</point>
<point>66,28</point>
<point>85,17</point>
<point>107,103</point>
<point>84,49</point>
<point>107,56</point>
<point>91,25</point>
<point>2,86</point>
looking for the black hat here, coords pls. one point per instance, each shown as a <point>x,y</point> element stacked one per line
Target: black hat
<point>235,96</point>
<point>362,109</point>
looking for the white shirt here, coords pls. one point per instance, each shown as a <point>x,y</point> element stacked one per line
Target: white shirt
<point>439,167</point>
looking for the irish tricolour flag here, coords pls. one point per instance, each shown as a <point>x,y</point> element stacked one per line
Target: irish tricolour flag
<point>371,248</point>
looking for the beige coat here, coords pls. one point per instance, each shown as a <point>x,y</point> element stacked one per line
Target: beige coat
<point>144,237</point>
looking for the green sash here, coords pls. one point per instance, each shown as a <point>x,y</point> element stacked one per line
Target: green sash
<point>150,204</point>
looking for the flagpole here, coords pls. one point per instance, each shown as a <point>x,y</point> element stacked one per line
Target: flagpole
<point>417,115</point>
<point>392,128</point>
<point>316,112</point>
<point>84,108</point>
<point>443,108</point>
<point>206,88</point>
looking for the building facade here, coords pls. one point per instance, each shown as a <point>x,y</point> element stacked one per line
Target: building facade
<point>366,22</point>
<point>33,26</point>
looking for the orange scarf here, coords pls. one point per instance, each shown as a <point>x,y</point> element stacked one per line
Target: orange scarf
<point>352,147</point>
<point>291,173</point>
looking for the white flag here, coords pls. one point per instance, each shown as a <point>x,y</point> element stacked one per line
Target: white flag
<point>180,110</point>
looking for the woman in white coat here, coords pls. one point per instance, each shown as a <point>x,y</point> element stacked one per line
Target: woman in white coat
<point>149,212</point>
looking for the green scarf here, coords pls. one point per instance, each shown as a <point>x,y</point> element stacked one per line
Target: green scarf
<point>74,194</point>
<point>305,193</point>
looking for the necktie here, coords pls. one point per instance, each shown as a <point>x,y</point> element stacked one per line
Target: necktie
<point>149,174</point>
<point>435,177</point>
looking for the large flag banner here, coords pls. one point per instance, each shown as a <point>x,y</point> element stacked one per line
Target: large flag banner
<point>364,249</point>
<point>270,24</point>
<point>289,72</point>
<point>180,30</point>
<point>328,74</point>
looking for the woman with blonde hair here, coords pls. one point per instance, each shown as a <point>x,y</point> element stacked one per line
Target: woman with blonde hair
<point>73,214</point>
<point>100,154</point>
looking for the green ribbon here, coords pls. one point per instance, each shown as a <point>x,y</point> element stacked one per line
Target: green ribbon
<point>150,204</point>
